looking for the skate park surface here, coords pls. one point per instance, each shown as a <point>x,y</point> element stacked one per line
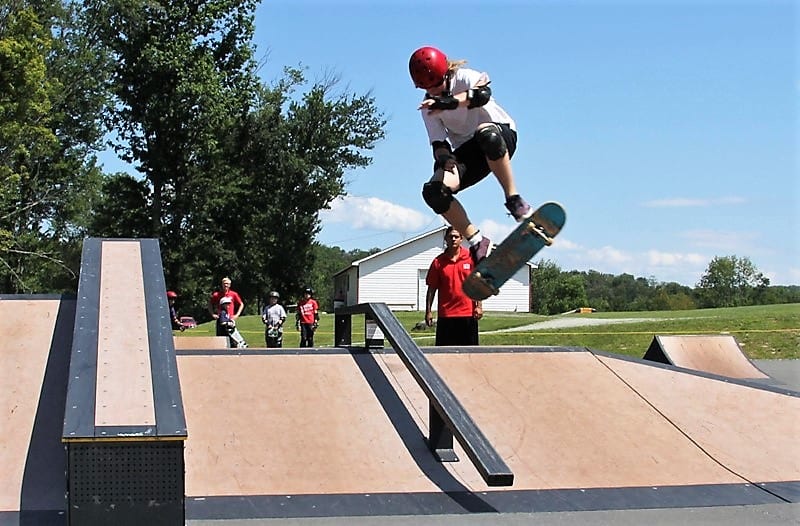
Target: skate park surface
<point>335,436</point>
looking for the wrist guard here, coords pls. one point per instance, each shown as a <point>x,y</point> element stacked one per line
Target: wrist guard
<point>444,102</point>
<point>442,159</point>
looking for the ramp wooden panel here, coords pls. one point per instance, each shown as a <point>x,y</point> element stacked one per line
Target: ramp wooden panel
<point>715,354</point>
<point>200,342</point>
<point>754,433</point>
<point>563,420</point>
<point>297,424</point>
<point>124,379</point>
<point>35,355</point>
<point>305,424</point>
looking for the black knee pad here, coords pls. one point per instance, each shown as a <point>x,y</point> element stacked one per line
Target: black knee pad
<point>491,142</point>
<point>437,196</point>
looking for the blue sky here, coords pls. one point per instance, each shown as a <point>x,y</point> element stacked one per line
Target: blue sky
<point>667,129</point>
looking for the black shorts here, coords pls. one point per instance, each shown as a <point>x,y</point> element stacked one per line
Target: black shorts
<point>472,157</point>
<point>456,331</point>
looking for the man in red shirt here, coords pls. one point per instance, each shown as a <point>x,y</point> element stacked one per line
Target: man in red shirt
<point>458,315</point>
<point>224,305</point>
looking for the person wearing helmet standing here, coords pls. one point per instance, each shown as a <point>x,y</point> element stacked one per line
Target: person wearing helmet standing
<point>273,315</point>
<point>471,135</point>
<point>307,317</point>
<point>173,312</point>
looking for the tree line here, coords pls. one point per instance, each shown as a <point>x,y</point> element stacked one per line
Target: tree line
<point>729,281</point>
<point>229,172</point>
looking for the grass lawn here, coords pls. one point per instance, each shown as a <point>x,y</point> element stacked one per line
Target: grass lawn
<point>764,332</point>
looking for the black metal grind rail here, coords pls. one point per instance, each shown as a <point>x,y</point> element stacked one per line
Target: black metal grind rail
<point>447,416</point>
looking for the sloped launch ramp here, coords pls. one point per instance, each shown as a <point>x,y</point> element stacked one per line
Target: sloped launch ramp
<point>35,354</point>
<point>300,433</point>
<point>715,354</point>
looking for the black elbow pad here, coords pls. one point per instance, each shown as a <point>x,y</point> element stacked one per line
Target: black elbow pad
<point>478,97</point>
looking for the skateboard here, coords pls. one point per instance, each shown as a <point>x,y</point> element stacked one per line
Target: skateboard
<point>530,236</point>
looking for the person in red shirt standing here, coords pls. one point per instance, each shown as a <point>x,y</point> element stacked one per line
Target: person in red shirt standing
<point>225,306</point>
<point>307,317</point>
<point>458,314</point>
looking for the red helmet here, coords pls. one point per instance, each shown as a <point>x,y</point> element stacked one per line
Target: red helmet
<point>171,294</point>
<point>428,66</point>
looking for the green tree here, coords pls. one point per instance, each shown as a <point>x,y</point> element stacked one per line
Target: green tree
<point>568,293</point>
<point>730,281</point>
<point>598,290</point>
<point>294,152</point>
<point>49,125</point>
<point>554,291</point>
<point>630,293</point>
<point>25,133</point>
<point>183,79</point>
<point>121,209</point>
<point>183,74</point>
<point>328,261</point>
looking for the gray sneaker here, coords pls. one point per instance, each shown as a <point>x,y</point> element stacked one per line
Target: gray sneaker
<point>518,207</point>
<point>481,250</point>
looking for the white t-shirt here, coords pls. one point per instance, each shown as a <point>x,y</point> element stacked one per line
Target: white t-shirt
<point>459,125</point>
<point>274,314</point>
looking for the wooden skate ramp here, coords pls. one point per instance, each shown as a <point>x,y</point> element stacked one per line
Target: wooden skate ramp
<point>716,354</point>
<point>301,433</point>
<point>35,351</point>
<point>752,432</point>
<point>200,342</point>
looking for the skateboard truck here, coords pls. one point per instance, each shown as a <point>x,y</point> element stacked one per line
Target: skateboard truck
<point>539,231</point>
<point>484,284</point>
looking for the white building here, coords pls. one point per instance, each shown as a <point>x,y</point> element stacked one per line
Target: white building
<point>396,276</point>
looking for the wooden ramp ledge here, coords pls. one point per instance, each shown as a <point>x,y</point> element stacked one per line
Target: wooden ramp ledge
<point>124,405</point>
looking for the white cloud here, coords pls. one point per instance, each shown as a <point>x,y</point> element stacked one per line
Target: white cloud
<point>561,243</point>
<point>685,202</point>
<point>608,254</point>
<point>496,231</point>
<point>681,267</point>
<point>721,240</point>
<point>672,259</point>
<point>374,214</point>
<point>792,277</point>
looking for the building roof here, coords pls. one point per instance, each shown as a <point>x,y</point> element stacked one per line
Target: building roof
<point>393,247</point>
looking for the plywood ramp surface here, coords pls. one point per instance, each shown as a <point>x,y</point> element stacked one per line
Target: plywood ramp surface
<point>296,424</point>
<point>27,328</point>
<point>313,424</point>
<point>719,354</point>
<point>753,432</point>
<point>124,378</point>
<point>564,420</point>
<point>200,342</point>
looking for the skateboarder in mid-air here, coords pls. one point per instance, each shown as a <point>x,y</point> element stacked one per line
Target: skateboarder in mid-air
<point>471,135</point>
